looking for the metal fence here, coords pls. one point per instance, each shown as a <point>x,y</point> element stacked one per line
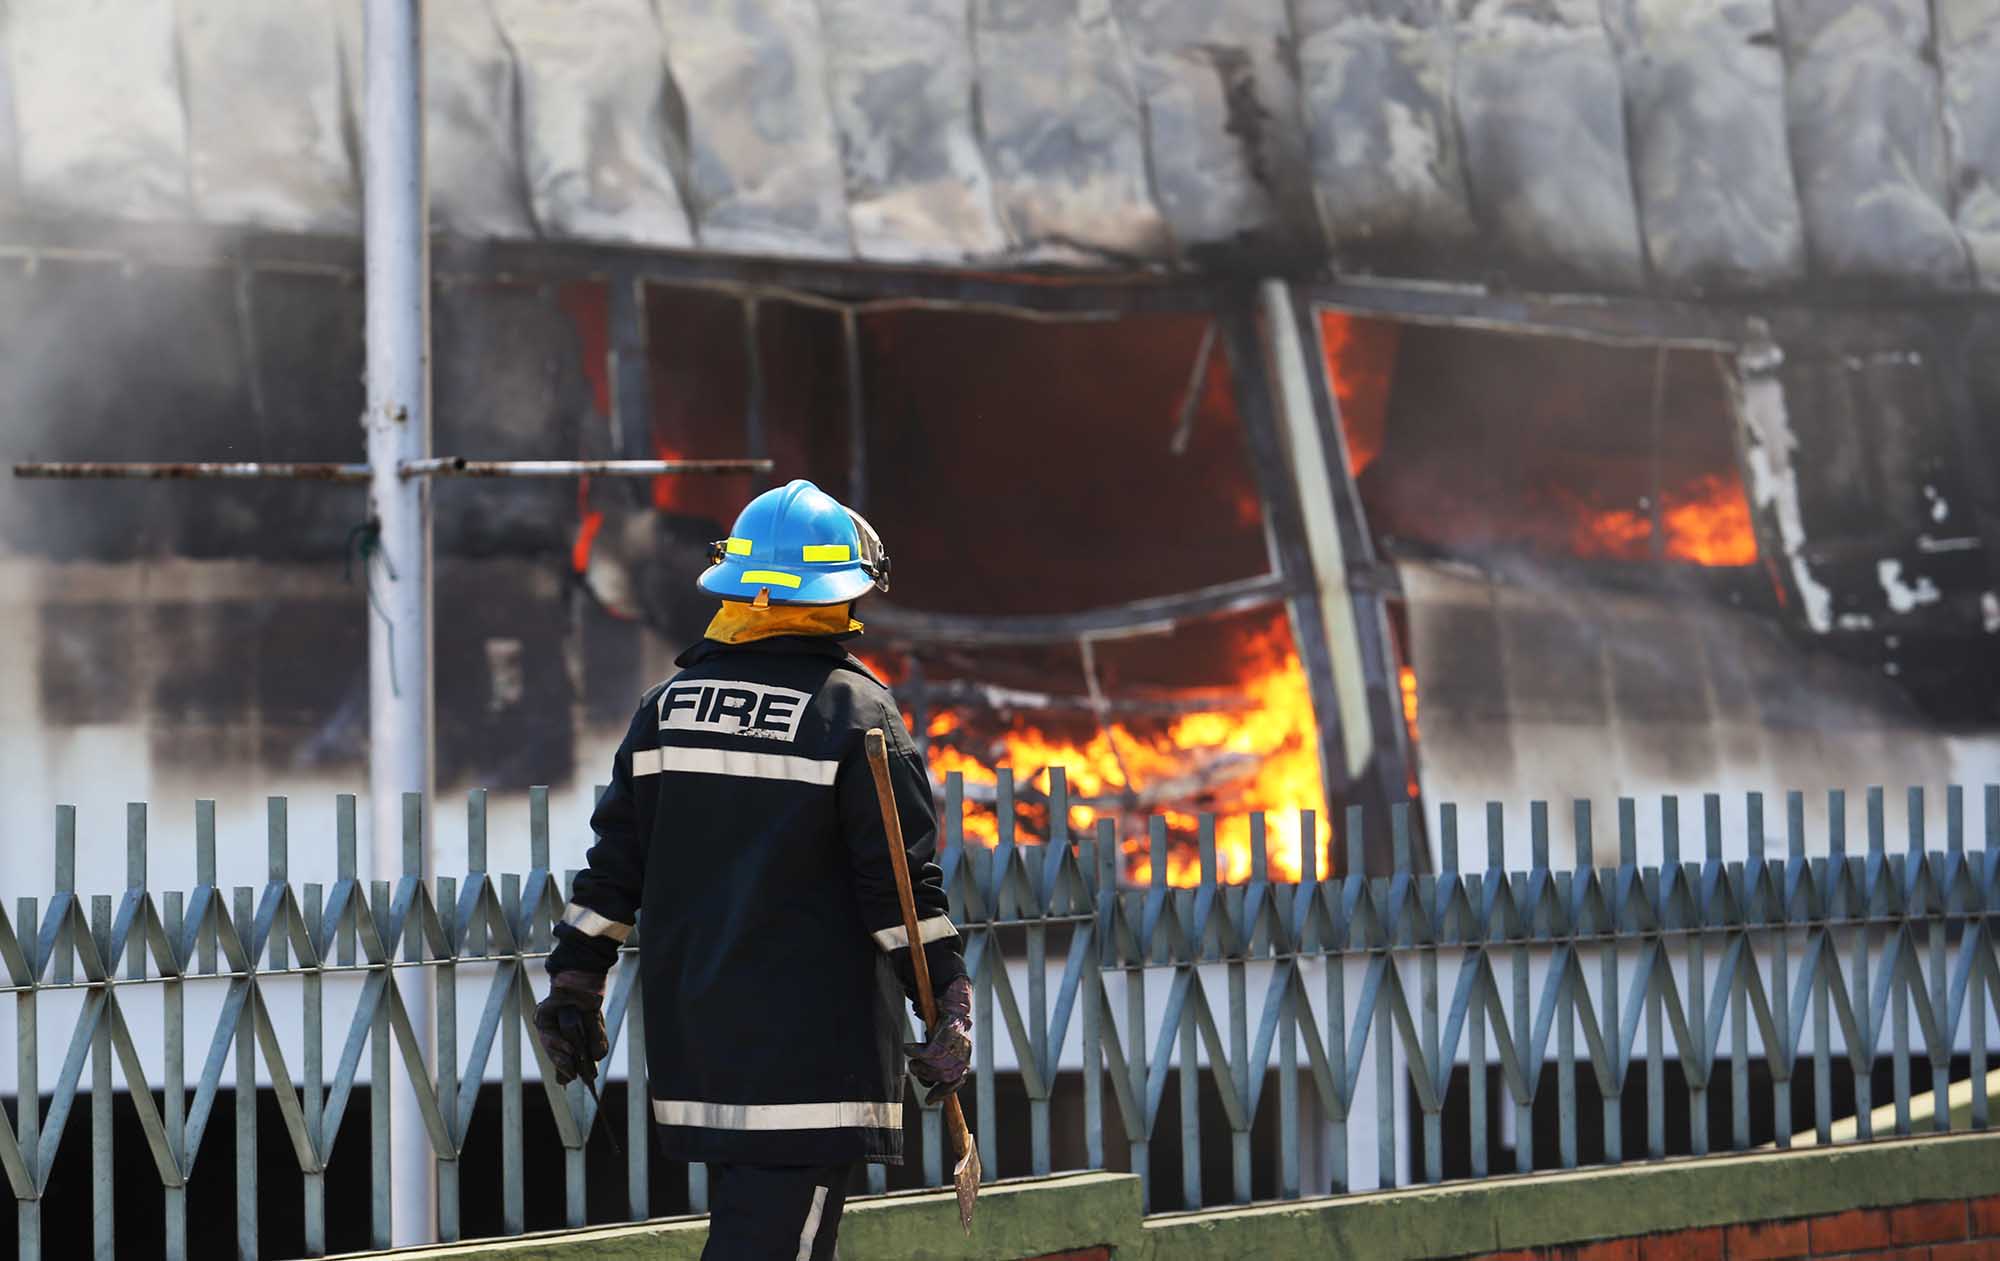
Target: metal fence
<point>1378,986</point>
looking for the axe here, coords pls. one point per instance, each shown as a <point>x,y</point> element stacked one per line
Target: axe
<point>965,1174</point>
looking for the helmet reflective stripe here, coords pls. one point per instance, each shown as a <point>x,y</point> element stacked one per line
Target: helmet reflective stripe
<point>796,545</point>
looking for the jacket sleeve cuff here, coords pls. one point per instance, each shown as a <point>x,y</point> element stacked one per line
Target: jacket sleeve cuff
<point>946,963</point>
<point>575,952</point>
<point>592,924</point>
<point>896,937</point>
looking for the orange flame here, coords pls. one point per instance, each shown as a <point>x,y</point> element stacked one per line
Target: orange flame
<point>586,535</point>
<point>1707,523</point>
<point>1360,357</point>
<point>1406,679</point>
<point>1278,732</point>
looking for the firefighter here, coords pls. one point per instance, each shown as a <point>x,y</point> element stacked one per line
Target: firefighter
<point>742,829</point>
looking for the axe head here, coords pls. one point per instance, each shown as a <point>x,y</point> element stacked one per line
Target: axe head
<point>965,1180</point>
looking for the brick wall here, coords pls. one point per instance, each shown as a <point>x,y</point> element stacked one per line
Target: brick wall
<point>1948,1230</point>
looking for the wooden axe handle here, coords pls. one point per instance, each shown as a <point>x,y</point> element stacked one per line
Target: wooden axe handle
<point>892,827</point>
<point>877,744</point>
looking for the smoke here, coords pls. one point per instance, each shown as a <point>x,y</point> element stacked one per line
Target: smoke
<point>1537,687</point>
<point>175,640</point>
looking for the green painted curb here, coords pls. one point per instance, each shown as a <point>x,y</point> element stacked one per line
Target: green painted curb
<point>1022,1217</point>
<point>1027,1217</point>
<point>1031,1217</point>
<point>1575,1207</point>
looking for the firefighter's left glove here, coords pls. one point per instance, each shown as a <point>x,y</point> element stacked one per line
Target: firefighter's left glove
<point>943,1062</point>
<point>570,1024</point>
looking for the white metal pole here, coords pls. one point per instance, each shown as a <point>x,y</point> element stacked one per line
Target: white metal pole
<point>398,424</point>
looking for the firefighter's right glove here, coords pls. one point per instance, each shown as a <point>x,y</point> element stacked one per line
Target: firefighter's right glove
<point>570,1024</point>
<point>943,1062</point>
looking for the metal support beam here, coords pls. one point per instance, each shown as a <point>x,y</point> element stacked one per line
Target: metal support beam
<point>857,412</point>
<point>1337,534</point>
<point>396,261</point>
<point>631,373</point>
<point>1285,535</point>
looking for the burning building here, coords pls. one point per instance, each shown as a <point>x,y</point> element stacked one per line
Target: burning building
<point>1269,408</point>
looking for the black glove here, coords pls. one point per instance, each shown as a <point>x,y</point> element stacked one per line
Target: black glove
<point>943,1063</point>
<point>570,1024</point>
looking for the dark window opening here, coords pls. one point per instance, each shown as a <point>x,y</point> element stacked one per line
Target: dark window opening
<point>1476,443</point>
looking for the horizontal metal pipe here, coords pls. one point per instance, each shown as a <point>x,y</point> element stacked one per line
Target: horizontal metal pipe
<point>185,470</point>
<point>459,466</point>
<point>446,466</point>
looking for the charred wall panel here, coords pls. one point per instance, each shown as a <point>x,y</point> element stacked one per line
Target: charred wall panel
<point>98,117</point>
<point>1866,137</point>
<point>1968,50</point>
<point>478,185</point>
<point>212,637</point>
<point>1644,693</point>
<point>602,136</point>
<point>205,364</point>
<point>10,149</point>
<point>766,180</point>
<point>267,125</point>
<point>901,78</point>
<point>213,642</point>
<point>309,384</point>
<point>1227,156</point>
<point>311,656</point>
<point>1971,385</point>
<point>1388,172</point>
<point>141,365</point>
<point>87,671</point>
<point>503,686</point>
<point>510,386</point>
<point>1879,479</point>
<point>1873,475</point>
<point>1064,133</point>
<point>1705,102</point>
<point>1542,112</point>
<point>1679,145</point>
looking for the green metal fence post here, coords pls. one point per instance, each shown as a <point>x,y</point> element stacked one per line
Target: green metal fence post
<point>103,1204</point>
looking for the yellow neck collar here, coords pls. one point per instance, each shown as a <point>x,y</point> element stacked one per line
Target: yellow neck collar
<point>740,623</point>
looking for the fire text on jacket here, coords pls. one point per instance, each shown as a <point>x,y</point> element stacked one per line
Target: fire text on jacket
<point>727,707</point>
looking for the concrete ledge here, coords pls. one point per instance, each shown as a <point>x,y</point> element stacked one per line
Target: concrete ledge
<point>1032,1217</point>
<point>1546,1209</point>
<point>1023,1217</point>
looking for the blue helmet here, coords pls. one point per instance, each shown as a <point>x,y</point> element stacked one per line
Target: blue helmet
<point>801,546</point>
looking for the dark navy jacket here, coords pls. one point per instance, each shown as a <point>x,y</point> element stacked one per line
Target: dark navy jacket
<point>742,832</point>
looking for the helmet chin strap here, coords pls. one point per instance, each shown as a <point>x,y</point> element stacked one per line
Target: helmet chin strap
<point>763,600</point>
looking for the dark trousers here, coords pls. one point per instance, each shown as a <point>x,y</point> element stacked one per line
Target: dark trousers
<point>774,1212</point>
